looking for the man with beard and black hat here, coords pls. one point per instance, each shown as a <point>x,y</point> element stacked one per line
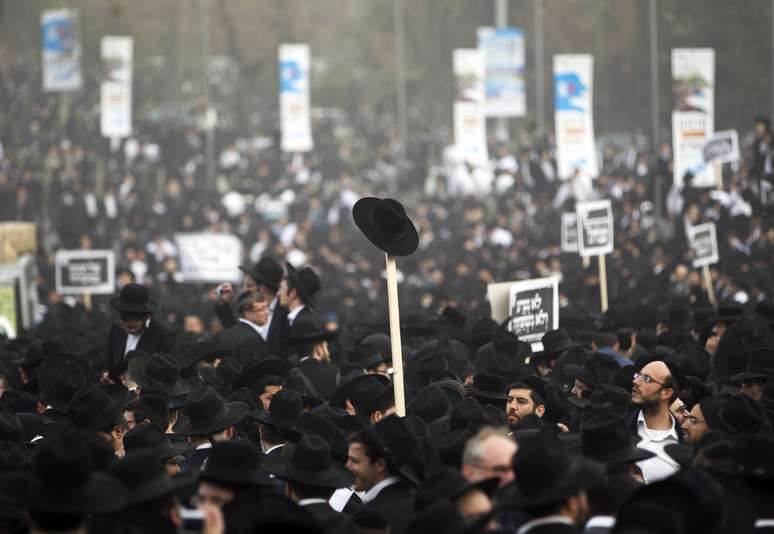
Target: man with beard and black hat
<point>245,339</point>
<point>655,388</point>
<point>136,327</point>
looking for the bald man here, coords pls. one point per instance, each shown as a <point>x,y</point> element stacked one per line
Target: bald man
<point>653,392</point>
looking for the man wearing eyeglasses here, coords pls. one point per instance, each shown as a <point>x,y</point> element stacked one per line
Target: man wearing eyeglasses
<point>654,389</point>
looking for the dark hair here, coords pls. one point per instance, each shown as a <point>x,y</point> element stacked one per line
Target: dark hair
<point>49,522</point>
<point>141,413</point>
<point>119,420</point>
<point>266,380</point>
<point>271,434</point>
<point>534,395</point>
<point>544,510</point>
<point>604,339</point>
<point>306,348</point>
<point>309,491</point>
<point>360,438</point>
<point>607,496</point>
<point>384,405</point>
<point>670,382</point>
<point>247,299</point>
<point>624,336</point>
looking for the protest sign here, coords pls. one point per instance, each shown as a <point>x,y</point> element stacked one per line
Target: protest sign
<point>82,272</point>
<point>469,107</point>
<point>723,147</point>
<point>595,227</point>
<point>61,49</point>
<point>295,116</point>
<point>16,239</point>
<point>533,309</point>
<point>704,242</point>
<point>504,57</point>
<point>569,232</point>
<point>8,319</point>
<point>574,115</point>
<point>209,257</point>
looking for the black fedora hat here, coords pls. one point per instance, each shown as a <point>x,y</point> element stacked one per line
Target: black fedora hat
<point>605,394</point>
<point>597,369</point>
<point>306,282</point>
<point>605,437</point>
<point>752,456</point>
<point>202,350</point>
<point>365,355</point>
<point>490,388</point>
<point>309,461</point>
<point>235,463</point>
<point>60,378</point>
<point>152,406</point>
<point>741,414</point>
<point>554,343</point>
<point>448,483</point>
<point>159,368</point>
<point>310,330</point>
<point>385,223</point>
<point>133,298</point>
<point>760,366</point>
<point>224,375</point>
<point>730,313</point>
<point>270,365</point>
<point>314,424</point>
<point>547,472</point>
<point>206,413</point>
<point>460,417</point>
<point>91,408</point>
<point>395,442</point>
<point>300,383</point>
<point>340,397</point>
<point>145,478</point>
<point>151,436</point>
<point>285,408</point>
<point>429,404</point>
<point>267,271</point>
<point>368,394</point>
<point>63,481</point>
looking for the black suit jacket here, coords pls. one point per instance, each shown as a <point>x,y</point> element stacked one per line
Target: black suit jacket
<point>555,528</point>
<point>321,375</point>
<point>275,339</point>
<point>329,519</point>
<point>244,342</point>
<point>193,463</point>
<point>396,504</point>
<point>157,337</point>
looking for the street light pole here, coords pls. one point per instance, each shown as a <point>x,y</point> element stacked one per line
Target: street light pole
<point>501,21</point>
<point>655,103</point>
<point>400,81</point>
<point>539,100</point>
<point>209,119</point>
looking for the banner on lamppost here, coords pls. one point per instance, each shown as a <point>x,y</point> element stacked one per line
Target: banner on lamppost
<point>295,116</point>
<point>574,115</point>
<point>693,115</point>
<point>116,86</point>
<point>469,106</point>
<point>505,90</point>
<point>61,50</point>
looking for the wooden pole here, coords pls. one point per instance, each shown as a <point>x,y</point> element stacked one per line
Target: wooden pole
<point>603,282</point>
<point>708,285</point>
<point>718,176</point>
<point>87,301</point>
<point>397,354</point>
<point>586,261</point>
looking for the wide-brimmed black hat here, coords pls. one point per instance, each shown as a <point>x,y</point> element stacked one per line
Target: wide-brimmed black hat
<point>597,369</point>
<point>62,480</point>
<point>490,388</point>
<point>225,375</point>
<point>393,439</point>
<point>741,414</point>
<point>270,365</point>
<point>145,478</point>
<point>730,313</point>
<point>429,404</point>
<point>605,394</point>
<point>547,472</point>
<point>385,223</point>
<point>605,437</point>
<point>203,350</point>
<point>365,355</point>
<point>207,413</point>
<point>299,382</point>
<point>460,417</point>
<point>369,394</point>
<point>267,271</point>
<point>306,282</point>
<point>448,483</point>
<point>159,368</point>
<point>59,378</point>
<point>314,424</point>
<point>235,463</point>
<point>151,436</point>
<point>760,366</point>
<point>339,398</point>
<point>133,298</point>
<point>752,456</point>
<point>309,461</point>
<point>91,408</point>
<point>554,343</point>
<point>151,405</point>
<point>310,330</point>
<point>285,408</point>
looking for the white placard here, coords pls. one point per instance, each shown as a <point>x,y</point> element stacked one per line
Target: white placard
<point>469,107</point>
<point>210,257</point>
<point>574,115</point>
<point>295,115</point>
<point>595,227</point>
<point>116,86</point>
<point>703,240</point>
<point>61,49</point>
<point>79,272</point>
<point>533,309</point>
<point>722,147</point>
<point>569,232</point>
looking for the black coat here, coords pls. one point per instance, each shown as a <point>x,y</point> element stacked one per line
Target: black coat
<point>396,504</point>
<point>332,521</point>
<point>244,342</point>
<point>321,375</point>
<point>157,337</point>
<point>275,339</point>
<point>193,463</point>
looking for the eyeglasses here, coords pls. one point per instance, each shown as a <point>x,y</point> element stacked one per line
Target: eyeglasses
<point>692,420</point>
<point>648,379</point>
<point>499,470</point>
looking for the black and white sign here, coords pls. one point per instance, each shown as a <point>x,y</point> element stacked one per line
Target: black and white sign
<point>595,227</point>
<point>569,232</point>
<point>534,309</point>
<point>722,147</point>
<point>704,242</point>
<point>85,271</point>
<point>209,257</point>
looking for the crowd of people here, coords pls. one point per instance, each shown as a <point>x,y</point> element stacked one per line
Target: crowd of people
<point>271,402</point>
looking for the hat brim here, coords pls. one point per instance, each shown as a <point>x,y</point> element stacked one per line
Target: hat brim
<point>235,412</point>
<point>584,473</point>
<point>340,396</point>
<point>630,454</point>
<point>404,246</point>
<point>321,336</point>
<point>117,304</point>
<point>136,368</point>
<point>254,479</point>
<point>258,277</point>
<point>163,488</point>
<point>555,351</point>
<point>102,494</point>
<point>384,395</point>
<point>292,274</point>
<point>266,418</point>
<point>337,476</point>
<point>750,375</point>
<point>267,366</point>
<point>680,453</point>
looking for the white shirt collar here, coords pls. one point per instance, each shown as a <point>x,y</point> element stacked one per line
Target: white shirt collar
<point>254,326</point>
<point>762,523</point>
<point>294,313</point>
<point>642,426</point>
<point>371,494</point>
<point>529,525</point>
<point>601,521</point>
<point>274,447</point>
<point>307,502</point>
<point>206,445</point>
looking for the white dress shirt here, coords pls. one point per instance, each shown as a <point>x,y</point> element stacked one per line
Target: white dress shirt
<point>294,313</point>
<point>133,339</point>
<point>551,519</point>
<point>662,465</point>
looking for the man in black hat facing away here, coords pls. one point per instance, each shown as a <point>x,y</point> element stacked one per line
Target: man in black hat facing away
<point>308,343</point>
<point>94,411</point>
<point>245,339</point>
<point>311,476</point>
<point>297,293</point>
<point>285,408</point>
<point>264,278</point>
<point>136,328</point>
